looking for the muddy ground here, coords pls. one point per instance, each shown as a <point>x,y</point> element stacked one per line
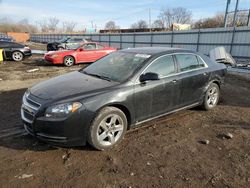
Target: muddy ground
<point>165,152</point>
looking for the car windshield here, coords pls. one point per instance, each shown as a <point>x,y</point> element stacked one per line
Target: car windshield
<point>73,46</point>
<point>62,40</point>
<point>117,66</point>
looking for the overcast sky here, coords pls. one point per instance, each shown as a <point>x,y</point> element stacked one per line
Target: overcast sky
<point>123,12</point>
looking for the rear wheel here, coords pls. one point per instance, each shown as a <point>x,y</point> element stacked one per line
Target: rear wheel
<point>17,56</point>
<point>68,61</point>
<point>212,96</point>
<point>108,128</point>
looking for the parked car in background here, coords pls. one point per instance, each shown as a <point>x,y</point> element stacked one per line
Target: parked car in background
<point>82,53</point>
<point>14,51</point>
<point>64,43</point>
<point>4,37</point>
<point>99,103</point>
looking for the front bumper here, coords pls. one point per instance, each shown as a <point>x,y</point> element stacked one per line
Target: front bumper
<point>53,60</point>
<point>27,53</point>
<point>70,131</point>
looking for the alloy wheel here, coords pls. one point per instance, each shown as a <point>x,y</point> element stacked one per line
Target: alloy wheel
<point>69,61</point>
<point>212,97</point>
<point>17,56</point>
<point>110,130</point>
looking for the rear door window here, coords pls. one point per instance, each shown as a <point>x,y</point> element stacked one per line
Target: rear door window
<point>188,62</point>
<point>163,66</point>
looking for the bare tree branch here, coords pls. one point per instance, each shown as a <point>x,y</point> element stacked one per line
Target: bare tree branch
<point>141,24</point>
<point>175,15</point>
<point>52,24</point>
<point>110,25</point>
<point>68,26</point>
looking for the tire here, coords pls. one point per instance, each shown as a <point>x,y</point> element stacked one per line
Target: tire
<point>17,56</point>
<point>60,48</point>
<point>108,128</point>
<point>211,97</point>
<point>68,61</point>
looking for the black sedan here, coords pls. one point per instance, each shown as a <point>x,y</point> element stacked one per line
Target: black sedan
<point>14,51</point>
<point>125,88</point>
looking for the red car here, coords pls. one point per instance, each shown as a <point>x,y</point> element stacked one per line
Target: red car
<point>83,53</point>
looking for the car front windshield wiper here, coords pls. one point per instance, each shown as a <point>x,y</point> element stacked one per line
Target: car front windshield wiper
<point>98,76</point>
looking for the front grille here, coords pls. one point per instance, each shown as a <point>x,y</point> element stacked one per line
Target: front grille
<point>29,109</point>
<point>33,103</point>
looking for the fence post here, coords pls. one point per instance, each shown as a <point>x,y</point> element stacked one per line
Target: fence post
<point>151,38</point>
<point>109,39</point>
<point>120,41</point>
<point>172,38</point>
<point>232,41</point>
<point>134,40</point>
<point>198,40</point>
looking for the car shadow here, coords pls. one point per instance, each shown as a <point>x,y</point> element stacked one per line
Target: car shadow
<point>12,133</point>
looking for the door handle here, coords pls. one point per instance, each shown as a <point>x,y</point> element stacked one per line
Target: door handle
<point>174,81</point>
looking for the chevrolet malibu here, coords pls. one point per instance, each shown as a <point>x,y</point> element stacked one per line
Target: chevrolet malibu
<point>98,104</point>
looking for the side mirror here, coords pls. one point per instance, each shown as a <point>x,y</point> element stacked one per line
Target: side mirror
<point>149,76</point>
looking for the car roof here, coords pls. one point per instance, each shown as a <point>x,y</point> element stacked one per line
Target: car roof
<point>156,50</point>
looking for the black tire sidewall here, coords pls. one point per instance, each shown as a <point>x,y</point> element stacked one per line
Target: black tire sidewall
<point>92,139</point>
<point>205,105</point>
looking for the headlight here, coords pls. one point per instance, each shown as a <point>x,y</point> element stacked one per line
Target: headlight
<point>62,110</point>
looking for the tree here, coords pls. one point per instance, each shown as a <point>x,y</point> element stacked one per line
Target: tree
<point>68,26</point>
<point>110,25</point>
<point>7,25</point>
<point>44,25</point>
<point>52,24</point>
<point>175,15</point>
<point>214,22</point>
<point>141,24</point>
<point>158,24</point>
<point>24,21</point>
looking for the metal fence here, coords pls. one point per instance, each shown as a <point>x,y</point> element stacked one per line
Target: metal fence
<point>235,40</point>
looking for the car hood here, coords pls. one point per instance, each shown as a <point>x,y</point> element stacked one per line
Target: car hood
<point>70,84</point>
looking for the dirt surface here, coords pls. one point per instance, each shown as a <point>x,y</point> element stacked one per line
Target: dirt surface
<point>166,152</point>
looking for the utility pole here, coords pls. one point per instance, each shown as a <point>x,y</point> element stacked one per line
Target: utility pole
<point>235,12</point>
<point>226,12</point>
<point>248,19</point>
<point>149,19</point>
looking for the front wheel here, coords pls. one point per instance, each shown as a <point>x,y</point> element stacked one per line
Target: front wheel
<point>107,129</point>
<point>17,56</point>
<point>212,96</point>
<point>68,61</point>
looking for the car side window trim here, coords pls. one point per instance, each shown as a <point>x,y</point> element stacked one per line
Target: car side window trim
<point>176,64</point>
<point>195,69</point>
<point>145,69</point>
